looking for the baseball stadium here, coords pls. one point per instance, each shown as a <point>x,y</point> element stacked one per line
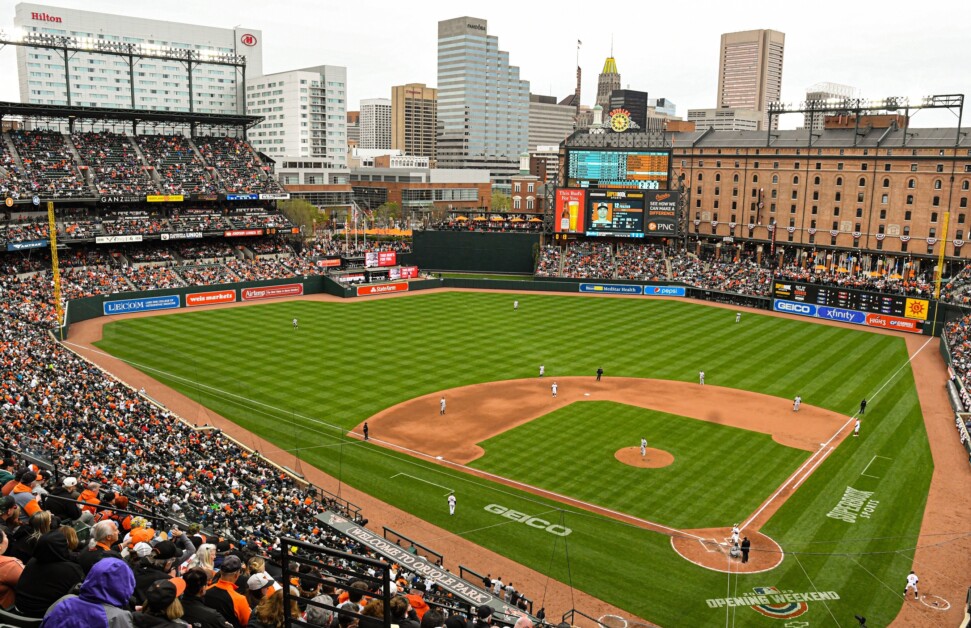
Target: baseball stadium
<point>646,416</point>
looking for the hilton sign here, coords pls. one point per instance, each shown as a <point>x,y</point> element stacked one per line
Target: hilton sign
<point>44,17</point>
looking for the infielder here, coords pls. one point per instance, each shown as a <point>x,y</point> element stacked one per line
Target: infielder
<point>738,317</point>
<point>441,406</point>
<point>701,377</point>
<point>796,403</point>
<point>451,504</point>
<point>542,370</point>
<point>643,447</point>
<point>294,323</point>
<point>856,428</point>
<point>912,584</point>
<point>554,387</point>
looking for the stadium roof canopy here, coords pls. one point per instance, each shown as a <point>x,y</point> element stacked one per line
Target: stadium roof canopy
<point>110,114</point>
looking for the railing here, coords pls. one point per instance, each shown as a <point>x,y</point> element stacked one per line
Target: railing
<point>438,558</point>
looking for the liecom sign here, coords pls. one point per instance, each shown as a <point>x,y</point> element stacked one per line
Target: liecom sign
<point>533,522</point>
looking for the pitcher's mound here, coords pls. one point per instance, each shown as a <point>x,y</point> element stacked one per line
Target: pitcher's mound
<point>655,458</point>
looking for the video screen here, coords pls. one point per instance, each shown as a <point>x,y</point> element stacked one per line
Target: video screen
<point>617,214</point>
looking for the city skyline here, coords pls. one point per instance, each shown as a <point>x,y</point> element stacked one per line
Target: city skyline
<point>879,53</point>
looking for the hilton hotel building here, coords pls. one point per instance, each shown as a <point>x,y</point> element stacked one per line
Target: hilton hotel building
<point>99,80</point>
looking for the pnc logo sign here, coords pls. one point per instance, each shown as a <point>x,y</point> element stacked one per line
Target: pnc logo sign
<point>248,39</point>
<point>45,17</point>
<point>656,226</point>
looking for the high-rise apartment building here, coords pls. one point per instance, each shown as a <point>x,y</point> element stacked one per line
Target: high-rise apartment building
<point>304,113</point>
<point>483,105</point>
<point>549,123</point>
<point>634,101</point>
<point>100,80</point>
<point>832,93</point>
<point>750,71</point>
<point>376,123</point>
<point>413,119</point>
<point>607,82</point>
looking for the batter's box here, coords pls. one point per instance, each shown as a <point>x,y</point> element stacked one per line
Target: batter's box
<point>712,546</point>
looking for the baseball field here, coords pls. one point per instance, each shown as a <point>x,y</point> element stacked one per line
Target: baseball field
<point>847,531</point>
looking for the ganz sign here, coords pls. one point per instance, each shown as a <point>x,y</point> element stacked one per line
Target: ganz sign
<point>533,522</point>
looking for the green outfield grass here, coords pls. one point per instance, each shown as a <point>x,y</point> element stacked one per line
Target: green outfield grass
<point>303,389</point>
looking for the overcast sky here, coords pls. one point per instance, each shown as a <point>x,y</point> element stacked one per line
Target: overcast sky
<point>891,48</point>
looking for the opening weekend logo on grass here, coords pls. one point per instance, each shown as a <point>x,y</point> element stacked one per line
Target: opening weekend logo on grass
<point>772,602</point>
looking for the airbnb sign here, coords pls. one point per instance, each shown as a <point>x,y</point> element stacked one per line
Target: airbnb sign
<point>45,17</point>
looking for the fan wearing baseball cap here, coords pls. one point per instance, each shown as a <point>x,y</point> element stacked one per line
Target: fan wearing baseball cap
<point>162,606</point>
<point>223,597</point>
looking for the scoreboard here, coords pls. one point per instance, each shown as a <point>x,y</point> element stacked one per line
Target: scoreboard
<point>615,213</point>
<point>618,169</point>
<point>837,303</point>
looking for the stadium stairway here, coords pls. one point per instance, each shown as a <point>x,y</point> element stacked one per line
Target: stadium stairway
<point>213,173</point>
<point>141,157</point>
<point>83,168</point>
<point>13,151</point>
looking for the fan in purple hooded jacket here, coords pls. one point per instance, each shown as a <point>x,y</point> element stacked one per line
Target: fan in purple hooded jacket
<point>102,601</point>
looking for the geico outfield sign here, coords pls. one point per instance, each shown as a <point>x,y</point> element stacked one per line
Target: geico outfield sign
<point>533,522</point>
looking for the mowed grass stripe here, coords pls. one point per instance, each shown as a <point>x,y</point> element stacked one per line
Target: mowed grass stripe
<point>351,359</point>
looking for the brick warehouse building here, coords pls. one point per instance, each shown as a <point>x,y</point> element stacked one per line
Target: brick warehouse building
<point>878,190</point>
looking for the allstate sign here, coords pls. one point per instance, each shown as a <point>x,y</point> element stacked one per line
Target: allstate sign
<point>664,291</point>
<point>841,315</point>
<point>147,304</point>
<point>792,307</point>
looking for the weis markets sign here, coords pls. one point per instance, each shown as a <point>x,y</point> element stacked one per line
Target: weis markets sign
<point>428,571</point>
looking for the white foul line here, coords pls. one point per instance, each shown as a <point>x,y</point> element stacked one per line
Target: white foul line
<point>864,472</point>
<point>407,475</point>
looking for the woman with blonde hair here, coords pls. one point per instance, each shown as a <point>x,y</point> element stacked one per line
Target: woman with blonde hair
<point>203,558</point>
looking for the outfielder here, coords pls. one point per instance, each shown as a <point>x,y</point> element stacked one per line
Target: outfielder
<point>554,387</point>
<point>738,317</point>
<point>643,447</point>
<point>796,403</point>
<point>441,406</point>
<point>451,504</point>
<point>701,377</point>
<point>912,584</point>
<point>542,370</point>
<point>515,305</point>
<point>294,323</point>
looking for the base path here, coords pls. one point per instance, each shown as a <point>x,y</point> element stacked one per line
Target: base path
<point>479,412</point>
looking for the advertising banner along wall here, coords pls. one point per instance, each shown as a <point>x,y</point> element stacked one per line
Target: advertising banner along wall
<point>381,288</point>
<point>209,298</point>
<point>146,304</point>
<point>272,292</point>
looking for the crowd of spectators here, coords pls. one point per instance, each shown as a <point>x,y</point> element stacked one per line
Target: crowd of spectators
<point>270,246</point>
<point>177,165</point>
<point>204,250</point>
<point>548,264</point>
<point>268,220</point>
<point>49,169</point>
<point>149,277</point>
<point>206,274</point>
<point>132,226</point>
<point>114,164</point>
<point>238,166</point>
<point>23,231</point>
<point>646,263</point>
<point>588,259</point>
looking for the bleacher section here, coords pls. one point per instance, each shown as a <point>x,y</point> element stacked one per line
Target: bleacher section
<point>49,168</point>
<point>113,163</point>
<point>180,170</point>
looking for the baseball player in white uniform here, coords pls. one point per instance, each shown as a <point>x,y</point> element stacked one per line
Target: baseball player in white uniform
<point>451,504</point>
<point>497,587</point>
<point>554,387</point>
<point>542,370</point>
<point>738,317</point>
<point>441,406</point>
<point>643,447</point>
<point>796,403</point>
<point>515,305</point>
<point>701,377</point>
<point>294,323</point>
<point>912,584</point>
<point>735,534</point>
<point>856,428</point>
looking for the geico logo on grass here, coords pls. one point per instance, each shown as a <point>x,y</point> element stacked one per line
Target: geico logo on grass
<point>533,522</point>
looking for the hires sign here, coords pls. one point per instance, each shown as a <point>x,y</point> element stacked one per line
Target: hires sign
<point>45,17</point>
